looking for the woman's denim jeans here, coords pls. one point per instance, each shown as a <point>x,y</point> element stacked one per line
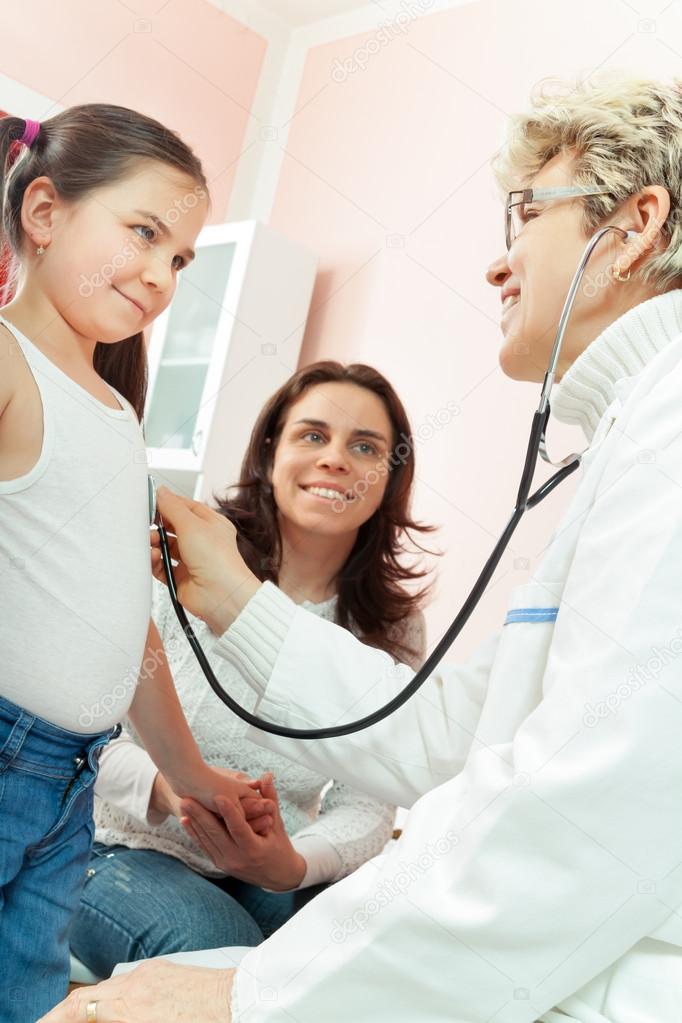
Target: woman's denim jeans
<point>46,779</point>
<point>139,903</point>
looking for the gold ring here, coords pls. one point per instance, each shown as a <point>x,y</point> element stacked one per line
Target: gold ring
<point>91,1012</point>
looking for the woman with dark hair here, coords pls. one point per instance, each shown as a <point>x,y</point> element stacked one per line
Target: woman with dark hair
<point>368,584</point>
<point>322,509</point>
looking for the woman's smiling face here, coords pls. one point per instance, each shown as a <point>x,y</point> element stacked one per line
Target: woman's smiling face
<point>331,462</point>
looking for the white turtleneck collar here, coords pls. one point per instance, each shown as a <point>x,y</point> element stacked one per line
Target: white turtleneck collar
<point>623,350</point>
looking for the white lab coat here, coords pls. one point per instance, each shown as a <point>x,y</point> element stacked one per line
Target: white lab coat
<point>541,863</point>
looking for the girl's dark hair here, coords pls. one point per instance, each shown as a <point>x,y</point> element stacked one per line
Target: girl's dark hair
<point>81,149</point>
<point>369,586</point>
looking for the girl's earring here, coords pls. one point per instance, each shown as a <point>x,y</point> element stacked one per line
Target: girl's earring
<point>40,251</point>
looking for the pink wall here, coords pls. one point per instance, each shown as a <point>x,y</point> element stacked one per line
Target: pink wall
<point>387,178</point>
<point>184,62</point>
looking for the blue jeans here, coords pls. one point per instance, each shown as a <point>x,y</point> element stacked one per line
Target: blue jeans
<point>46,779</point>
<point>139,903</point>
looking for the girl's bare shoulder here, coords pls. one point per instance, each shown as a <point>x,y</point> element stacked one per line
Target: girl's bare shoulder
<point>21,418</point>
<point>11,365</point>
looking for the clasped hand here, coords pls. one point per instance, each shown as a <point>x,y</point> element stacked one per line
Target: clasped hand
<point>261,856</point>
<point>216,788</point>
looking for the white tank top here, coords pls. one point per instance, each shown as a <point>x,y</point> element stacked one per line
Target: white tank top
<point>75,576</point>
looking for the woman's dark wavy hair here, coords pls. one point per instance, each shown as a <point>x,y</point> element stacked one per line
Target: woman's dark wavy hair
<point>370,586</point>
<point>81,149</point>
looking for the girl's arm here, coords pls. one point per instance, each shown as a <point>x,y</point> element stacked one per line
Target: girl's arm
<point>157,717</point>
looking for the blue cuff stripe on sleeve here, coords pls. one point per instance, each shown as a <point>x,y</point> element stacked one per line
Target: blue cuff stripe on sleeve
<point>531,614</point>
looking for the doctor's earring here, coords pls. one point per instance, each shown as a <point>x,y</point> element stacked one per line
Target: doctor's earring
<point>618,276</point>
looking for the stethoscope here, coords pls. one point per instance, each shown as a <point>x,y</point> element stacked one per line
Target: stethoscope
<point>524,500</point>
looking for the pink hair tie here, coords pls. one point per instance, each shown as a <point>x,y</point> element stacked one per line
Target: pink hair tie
<point>31,132</point>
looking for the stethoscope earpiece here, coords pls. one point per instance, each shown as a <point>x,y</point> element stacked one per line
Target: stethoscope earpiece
<point>151,496</point>
<point>154,513</point>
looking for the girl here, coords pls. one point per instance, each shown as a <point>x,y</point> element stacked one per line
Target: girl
<point>332,426</point>
<point>87,199</point>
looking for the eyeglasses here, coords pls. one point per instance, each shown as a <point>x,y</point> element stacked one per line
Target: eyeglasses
<point>516,214</point>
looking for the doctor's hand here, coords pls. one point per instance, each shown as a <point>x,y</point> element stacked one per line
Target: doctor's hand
<point>212,580</point>
<point>154,992</point>
<point>268,860</point>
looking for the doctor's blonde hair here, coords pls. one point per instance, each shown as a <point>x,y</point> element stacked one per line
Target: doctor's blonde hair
<point>626,133</point>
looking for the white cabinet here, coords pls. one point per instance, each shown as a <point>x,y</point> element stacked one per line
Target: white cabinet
<point>230,337</point>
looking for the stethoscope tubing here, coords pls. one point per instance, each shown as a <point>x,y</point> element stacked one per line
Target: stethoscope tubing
<point>524,500</point>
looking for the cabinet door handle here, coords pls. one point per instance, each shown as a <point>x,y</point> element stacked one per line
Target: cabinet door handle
<point>196,441</point>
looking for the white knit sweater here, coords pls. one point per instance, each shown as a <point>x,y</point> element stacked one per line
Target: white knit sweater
<point>334,827</point>
<point>620,352</point>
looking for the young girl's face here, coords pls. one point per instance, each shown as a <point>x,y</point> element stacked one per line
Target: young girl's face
<point>114,257</point>
<point>331,462</point>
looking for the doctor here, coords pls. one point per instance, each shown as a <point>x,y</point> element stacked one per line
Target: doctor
<point>539,875</point>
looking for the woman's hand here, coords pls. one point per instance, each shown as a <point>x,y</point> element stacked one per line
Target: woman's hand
<point>267,860</point>
<point>212,581</point>
<point>154,992</point>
